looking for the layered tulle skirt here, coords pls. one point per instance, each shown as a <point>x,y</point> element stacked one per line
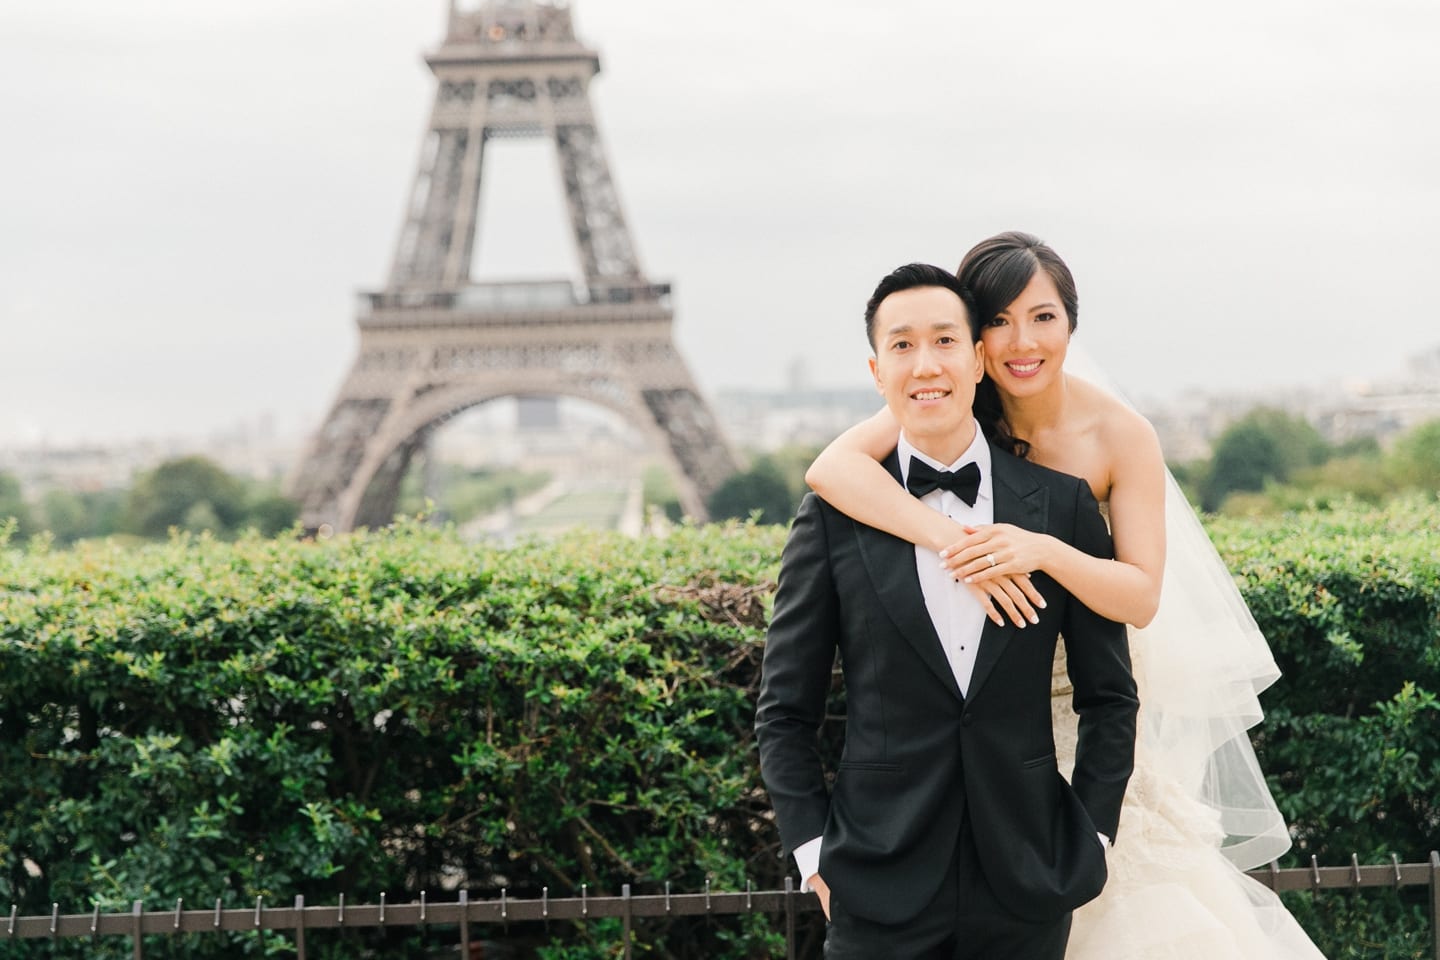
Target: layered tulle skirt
<point>1196,811</point>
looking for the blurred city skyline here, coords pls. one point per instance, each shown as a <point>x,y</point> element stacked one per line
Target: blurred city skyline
<point>194,193</point>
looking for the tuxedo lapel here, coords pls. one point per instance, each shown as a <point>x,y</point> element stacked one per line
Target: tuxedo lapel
<point>1023,502</point>
<point>890,562</point>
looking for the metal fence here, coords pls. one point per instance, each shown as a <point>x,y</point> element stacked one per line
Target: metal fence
<point>464,913</point>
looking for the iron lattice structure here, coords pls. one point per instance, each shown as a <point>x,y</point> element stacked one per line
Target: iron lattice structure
<point>434,343</point>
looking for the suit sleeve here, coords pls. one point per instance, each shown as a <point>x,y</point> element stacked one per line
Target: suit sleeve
<point>1105,698</point>
<point>795,679</point>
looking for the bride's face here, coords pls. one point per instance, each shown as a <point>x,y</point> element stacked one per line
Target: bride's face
<point>1025,344</point>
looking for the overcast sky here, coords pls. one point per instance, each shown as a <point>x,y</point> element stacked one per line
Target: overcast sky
<point>192,191</point>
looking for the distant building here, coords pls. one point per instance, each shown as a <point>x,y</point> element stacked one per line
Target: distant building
<point>1382,408</point>
<point>251,450</point>
<point>766,420</point>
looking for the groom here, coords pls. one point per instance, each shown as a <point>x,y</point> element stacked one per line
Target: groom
<point>948,831</point>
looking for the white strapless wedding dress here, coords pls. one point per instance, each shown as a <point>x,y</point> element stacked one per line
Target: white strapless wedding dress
<point>1172,893</point>
<point>1197,811</point>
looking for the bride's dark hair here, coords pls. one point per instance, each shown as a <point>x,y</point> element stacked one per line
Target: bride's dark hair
<point>996,271</point>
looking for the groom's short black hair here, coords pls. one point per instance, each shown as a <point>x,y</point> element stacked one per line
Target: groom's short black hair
<point>914,275</point>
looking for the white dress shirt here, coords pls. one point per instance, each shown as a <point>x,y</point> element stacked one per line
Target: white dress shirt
<point>954,610</point>
<point>956,614</point>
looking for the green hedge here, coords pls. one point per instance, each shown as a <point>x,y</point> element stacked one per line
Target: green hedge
<point>1349,599</point>
<point>397,711</point>
<point>386,712</point>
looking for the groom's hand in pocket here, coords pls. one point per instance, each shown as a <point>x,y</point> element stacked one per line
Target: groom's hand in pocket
<point>820,889</point>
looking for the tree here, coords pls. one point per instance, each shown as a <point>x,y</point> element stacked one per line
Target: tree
<point>774,485</point>
<point>1265,446</point>
<point>1415,460</point>
<point>12,504</point>
<point>171,495</point>
<point>270,513</point>
<point>72,515</point>
<point>763,488</point>
<point>65,514</point>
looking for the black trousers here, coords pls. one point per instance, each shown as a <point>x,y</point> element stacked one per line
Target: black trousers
<point>963,921</point>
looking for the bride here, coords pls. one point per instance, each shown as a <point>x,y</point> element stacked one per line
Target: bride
<point>1197,812</point>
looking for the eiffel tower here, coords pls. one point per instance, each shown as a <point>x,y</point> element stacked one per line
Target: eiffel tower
<point>434,343</point>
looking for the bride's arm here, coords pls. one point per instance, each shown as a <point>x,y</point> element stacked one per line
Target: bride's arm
<point>1127,588</point>
<point>848,475</point>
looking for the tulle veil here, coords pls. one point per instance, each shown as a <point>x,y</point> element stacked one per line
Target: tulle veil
<point>1205,663</point>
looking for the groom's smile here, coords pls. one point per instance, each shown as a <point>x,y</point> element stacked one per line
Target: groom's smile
<point>926,365</point>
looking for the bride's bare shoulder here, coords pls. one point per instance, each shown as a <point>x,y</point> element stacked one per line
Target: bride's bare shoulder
<point>1120,429</point>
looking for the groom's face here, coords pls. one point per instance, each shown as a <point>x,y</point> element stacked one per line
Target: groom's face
<point>926,366</point>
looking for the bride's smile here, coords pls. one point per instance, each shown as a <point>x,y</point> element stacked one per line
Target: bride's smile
<point>1025,343</point>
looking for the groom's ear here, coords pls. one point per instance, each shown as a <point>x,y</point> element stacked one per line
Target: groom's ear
<point>979,360</point>
<point>875,374</point>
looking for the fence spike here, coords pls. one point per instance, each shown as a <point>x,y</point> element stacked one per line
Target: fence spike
<point>584,899</point>
<point>464,924</point>
<point>299,926</point>
<point>504,906</point>
<point>1314,871</point>
<point>382,909</point>
<point>749,901</point>
<point>422,908</point>
<point>789,917</point>
<point>178,902</point>
<point>259,905</point>
<point>545,902</point>
<point>54,918</point>
<point>1435,900</point>
<point>14,909</point>
<point>1395,862</point>
<point>217,913</point>
<point>341,918</point>
<point>1355,870</point>
<point>707,894</point>
<point>627,923</point>
<point>667,896</point>
<point>95,922</point>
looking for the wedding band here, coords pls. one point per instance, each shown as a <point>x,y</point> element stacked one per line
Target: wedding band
<point>991,558</point>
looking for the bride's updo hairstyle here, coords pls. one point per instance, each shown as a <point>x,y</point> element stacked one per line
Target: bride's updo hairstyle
<point>996,271</point>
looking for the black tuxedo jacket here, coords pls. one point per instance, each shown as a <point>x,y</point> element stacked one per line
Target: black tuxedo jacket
<point>918,755</point>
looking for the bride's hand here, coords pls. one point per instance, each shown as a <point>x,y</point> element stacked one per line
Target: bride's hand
<point>995,549</point>
<point>1015,596</point>
<point>998,552</point>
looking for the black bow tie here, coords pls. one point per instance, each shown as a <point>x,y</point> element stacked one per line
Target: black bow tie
<point>964,483</point>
